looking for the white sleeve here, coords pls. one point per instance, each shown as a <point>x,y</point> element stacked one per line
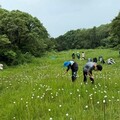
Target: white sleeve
<point>71,62</point>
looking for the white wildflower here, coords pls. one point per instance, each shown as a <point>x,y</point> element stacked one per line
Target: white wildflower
<point>60,105</point>
<point>62,89</point>
<point>101,91</point>
<point>105,91</point>
<point>67,114</point>
<point>41,97</point>
<point>86,90</point>
<point>112,97</point>
<point>105,96</point>
<point>13,117</point>
<point>91,98</point>
<point>98,102</point>
<point>52,97</point>
<point>77,90</point>
<point>38,96</point>
<point>86,106</point>
<point>105,86</point>
<point>90,94</point>
<point>103,101</point>
<point>118,100</point>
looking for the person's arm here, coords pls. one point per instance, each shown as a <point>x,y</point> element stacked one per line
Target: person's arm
<point>67,69</point>
<point>90,70</point>
<point>90,75</point>
<point>95,66</point>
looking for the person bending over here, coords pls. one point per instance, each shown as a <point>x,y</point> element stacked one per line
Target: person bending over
<point>74,68</point>
<point>87,70</point>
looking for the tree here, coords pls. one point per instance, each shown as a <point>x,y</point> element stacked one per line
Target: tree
<point>25,33</point>
<point>115,30</point>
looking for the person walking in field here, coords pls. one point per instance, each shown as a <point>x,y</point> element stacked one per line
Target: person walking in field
<point>83,55</point>
<point>73,55</point>
<point>87,70</point>
<point>95,60</point>
<point>78,55</point>
<point>74,68</point>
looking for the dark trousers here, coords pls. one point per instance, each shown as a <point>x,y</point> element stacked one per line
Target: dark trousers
<point>85,77</point>
<point>74,75</point>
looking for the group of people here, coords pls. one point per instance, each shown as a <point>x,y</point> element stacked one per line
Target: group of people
<point>100,59</point>
<point>78,55</point>
<point>88,67</point>
<point>87,70</point>
<point>109,61</point>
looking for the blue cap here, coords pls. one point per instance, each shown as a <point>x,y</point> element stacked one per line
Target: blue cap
<point>66,63</point>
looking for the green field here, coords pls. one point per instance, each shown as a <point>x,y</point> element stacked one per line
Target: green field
<point>41,90</point>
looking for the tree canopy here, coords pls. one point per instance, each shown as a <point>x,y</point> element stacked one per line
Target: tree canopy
<point>21,33</point>
<point>83,38</point>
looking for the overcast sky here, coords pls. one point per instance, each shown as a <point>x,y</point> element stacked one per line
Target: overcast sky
<point>60,16</point>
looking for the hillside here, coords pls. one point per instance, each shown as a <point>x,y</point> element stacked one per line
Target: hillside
<point>41,90</point>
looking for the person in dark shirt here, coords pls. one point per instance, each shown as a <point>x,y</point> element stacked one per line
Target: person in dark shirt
<point>95,60</point>
<point>88,68</point>
<point>73,55</point>
<point>74,68</point>
<point>78,55</point>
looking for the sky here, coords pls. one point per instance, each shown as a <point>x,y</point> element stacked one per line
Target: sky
<point>61,16</point>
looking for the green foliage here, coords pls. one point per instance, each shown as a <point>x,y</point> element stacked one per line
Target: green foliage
<point>22,58</point>
<point>23,30</point>
<point>19,31</point>
<point>84,38</point>
<point>4,41</point>
<point>115,30</point>
<point>116,26</point>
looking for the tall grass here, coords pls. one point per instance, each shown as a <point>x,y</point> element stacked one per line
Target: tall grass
<point>41,90</point>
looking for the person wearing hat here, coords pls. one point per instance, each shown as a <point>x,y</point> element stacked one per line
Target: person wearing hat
<point>87,70</point>
<point>74,68</point>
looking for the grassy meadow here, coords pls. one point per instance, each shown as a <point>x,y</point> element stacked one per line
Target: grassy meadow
<point>41,91</point>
